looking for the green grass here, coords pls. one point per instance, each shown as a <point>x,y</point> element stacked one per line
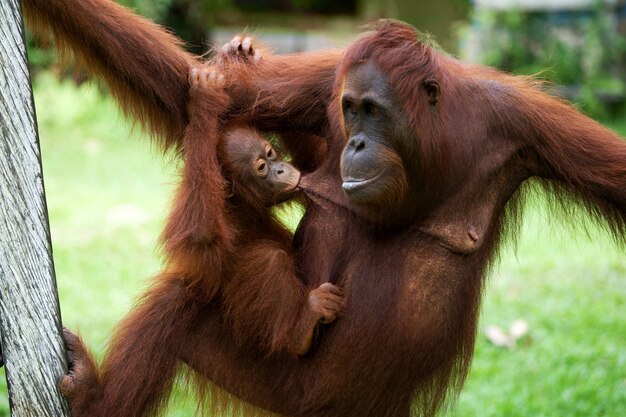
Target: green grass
<point>571,289</point>
<point>107,194</point>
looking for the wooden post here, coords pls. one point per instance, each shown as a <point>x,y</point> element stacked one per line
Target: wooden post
<point>30,319</point>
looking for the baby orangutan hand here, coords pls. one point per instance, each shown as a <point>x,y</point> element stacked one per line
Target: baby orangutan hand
<point>207,77</point>
<point>207,93</point>
<point>327,301</point>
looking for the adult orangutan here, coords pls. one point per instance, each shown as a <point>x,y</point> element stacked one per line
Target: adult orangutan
<point>406,211</point>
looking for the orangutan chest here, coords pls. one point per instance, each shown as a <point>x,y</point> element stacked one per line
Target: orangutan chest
<point>322,247</point>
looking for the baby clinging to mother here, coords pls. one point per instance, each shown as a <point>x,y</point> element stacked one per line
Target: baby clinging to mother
<point>420,154</point>
<point>225,251</point>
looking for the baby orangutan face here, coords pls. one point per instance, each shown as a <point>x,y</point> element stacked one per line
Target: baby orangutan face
<point>256,172</point>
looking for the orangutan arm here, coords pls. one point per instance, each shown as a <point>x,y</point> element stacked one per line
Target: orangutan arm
<point>267,303</point>
<point>198,237</point>
<point>146,69</point>
<point>286,93</point>
<point>142,64</point>
<point>137,373</point>
<point>583,159</point>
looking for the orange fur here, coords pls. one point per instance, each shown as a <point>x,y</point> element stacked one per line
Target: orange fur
<point>224,251</point>
<point>406,340</point>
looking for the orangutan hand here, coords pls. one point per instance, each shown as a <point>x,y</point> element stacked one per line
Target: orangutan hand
<point>241,47</point>
<point>327,301</point>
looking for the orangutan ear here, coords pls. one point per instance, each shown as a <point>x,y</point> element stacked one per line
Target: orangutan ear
<point>432,89</point>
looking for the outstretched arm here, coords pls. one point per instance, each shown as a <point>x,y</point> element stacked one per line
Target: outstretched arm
<point>197,238</point>
<point>583,159</point>
<point>146,69</point>
<point>142,64</point>
<point>286,93</point>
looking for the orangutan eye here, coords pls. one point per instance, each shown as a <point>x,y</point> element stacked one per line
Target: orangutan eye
<point>261,168</point>
<point>371,109</point>
<point>348,108</point>
<point>270,153</point>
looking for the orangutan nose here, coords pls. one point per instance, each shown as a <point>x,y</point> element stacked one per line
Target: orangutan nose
<point>279,170</point>
<point>357,143</point>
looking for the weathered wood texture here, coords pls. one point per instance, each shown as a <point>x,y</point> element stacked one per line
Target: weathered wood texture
<point>29,309</point>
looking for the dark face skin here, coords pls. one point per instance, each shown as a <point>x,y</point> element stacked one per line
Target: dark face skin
<point>261,177</point>
<point>372,168</point>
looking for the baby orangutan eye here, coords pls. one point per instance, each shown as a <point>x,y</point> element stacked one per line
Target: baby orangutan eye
<point>261,168</point>
<point>270,153</point>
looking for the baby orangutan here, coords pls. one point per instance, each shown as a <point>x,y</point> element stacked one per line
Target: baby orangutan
<point>259,288</point>
<point>262,294</point>
<point>224,250</point>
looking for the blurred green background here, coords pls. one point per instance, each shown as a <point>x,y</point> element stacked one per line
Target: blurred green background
<point>108,190</point>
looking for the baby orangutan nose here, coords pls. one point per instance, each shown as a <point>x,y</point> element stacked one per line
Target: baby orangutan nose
<point>285,176</point>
